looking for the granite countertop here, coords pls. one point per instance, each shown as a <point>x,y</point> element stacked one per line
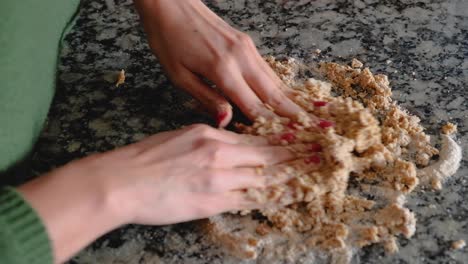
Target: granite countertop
<point>421,45</point>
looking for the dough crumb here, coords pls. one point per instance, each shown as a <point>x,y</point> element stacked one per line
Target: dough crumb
<point>459,244</point>
<point>436,184</point>
<point>355,63</point>
<point>120,78</point>
<point>391,246</point>
<point>449,129</point>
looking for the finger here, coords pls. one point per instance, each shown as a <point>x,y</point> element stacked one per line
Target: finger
<point>228,201</point>
<point>235,87</point>
<point>222,155</point>
<point>268,88</point>
<point>199,131</point>
<point>203,205</point>
<point>284,172</point>
<point>223,180</point>
<point>235,138</point>
<point>305,150</point>
<point>202,131</point>
<point>289,108</point>
<point>295,168</point>
<point>211,100</point>
<point>289,92</point>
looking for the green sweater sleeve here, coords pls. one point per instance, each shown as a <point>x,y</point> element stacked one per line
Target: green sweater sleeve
<point>23,237</point>
<point>30,35</point>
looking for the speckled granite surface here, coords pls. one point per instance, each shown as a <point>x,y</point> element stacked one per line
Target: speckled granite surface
<point>421,45</point>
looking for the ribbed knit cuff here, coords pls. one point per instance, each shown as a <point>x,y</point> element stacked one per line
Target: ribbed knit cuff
<point>23,236</point>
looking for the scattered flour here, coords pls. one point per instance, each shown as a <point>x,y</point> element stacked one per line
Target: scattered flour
<point>449,161</point>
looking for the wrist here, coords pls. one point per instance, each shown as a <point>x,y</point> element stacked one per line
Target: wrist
<point>75,207</point>
<point>159,10</point>
<point>102,189</point>
<point>146,5</point>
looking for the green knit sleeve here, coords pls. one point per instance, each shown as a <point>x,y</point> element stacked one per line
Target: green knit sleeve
<point>23,237</point>
<point>30,36</point>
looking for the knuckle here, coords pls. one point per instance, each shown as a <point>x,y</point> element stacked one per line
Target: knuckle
<point>201,144</point>
<point>226,58</point>
<point>210,149</point>
<point>238,43</point>
<point>244,40</point>
<point>201,130</point>
<point>276,99</point>
<point>210,182</point>
<point>224,63</point>
<point>253,109</point>
<point>214,151</point>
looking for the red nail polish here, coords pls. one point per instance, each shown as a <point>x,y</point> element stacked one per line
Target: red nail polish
<point>325,124</point>
<point>312,159</point>
<point>320,103</point>
<point>289,137</point>
<point>315,147</point>
<point>221,116</point>
<point>292,125</point>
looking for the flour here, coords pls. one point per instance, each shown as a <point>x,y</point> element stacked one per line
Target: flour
<point>449,161</point>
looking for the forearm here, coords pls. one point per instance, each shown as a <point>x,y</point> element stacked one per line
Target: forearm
<point>74,207</point>
<point>157,13</point>
<point>149,6</point>
<point>156,10</point>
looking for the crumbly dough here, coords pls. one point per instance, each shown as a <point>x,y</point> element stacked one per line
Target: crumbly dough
<point>449,129</point>
<point>356,63</point>
<point>348,185</point>
<point>459,244</point>
<point>120,78</point>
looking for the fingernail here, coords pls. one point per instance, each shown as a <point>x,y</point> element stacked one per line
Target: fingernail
<point>325,124</point>
<point>292,125</point>
<point>320,103</point>
<point>289,137</point>
<point>221,116</point>
<point>312,159</point>
<point>315,147</point>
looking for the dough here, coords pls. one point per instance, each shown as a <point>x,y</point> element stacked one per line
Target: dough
<point>356,163</point>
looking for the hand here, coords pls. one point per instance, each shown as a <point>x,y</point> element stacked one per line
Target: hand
<point>191,173</point>
<point>192,42</point>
